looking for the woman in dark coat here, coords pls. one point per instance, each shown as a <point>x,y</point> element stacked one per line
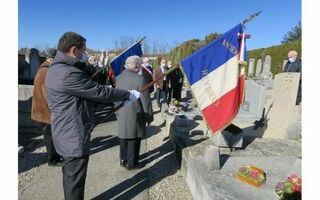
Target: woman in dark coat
<point>133,117</point>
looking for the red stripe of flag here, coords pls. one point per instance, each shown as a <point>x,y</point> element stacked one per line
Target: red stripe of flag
<point>221,112</point>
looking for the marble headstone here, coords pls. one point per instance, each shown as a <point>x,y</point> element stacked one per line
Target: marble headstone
<point>258,68</point>
<point>251,67</point>
<point>266,72</point>
<point>284,118</point>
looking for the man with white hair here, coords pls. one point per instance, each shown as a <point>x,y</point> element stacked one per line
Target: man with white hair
<point>133,117</point>
<point>294,65</point>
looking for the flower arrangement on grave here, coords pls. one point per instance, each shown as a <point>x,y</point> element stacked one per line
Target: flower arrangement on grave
<point>289,189</point>
<point>176,103</point>
<point>251,175</point>
<point>174,107</point>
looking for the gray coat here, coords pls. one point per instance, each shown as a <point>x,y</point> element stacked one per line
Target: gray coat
<point>133,118</point>
<point>70,95</point>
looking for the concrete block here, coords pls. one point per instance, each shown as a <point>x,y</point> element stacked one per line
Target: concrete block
<point>25,93</point>
<point>223,185</point>
<point>296,168</point>
<point>294,131</point>
<point>283,113</point>
<point>212,157</point>
<point>270,147</point>
<point>226,139</point>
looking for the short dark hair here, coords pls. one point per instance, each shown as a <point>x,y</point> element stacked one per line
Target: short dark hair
<point>70,39</point>
<point>51,53</point>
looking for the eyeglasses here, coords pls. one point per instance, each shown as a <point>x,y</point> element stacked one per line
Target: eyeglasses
<point>82,49</point>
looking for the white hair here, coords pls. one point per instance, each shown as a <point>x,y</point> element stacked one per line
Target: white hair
<point>133,62</point>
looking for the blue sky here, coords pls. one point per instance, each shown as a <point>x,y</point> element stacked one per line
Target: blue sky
<point>102,22</point>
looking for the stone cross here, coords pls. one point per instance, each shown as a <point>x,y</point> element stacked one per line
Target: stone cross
<point>251,66</point>
<point>284,118</point>
<point>258,68</point>
<point>266,74</point>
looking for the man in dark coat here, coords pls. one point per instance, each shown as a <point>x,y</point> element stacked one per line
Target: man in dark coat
<point>40,111</point>
<point>147,72</point>
<point>133,118</point>
<point>71,94</point>
<point>294,65</point>
<point>175,79</point>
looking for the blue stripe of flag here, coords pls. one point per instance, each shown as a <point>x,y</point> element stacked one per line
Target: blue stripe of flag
<point>118,63</point>
<point>213,55</point>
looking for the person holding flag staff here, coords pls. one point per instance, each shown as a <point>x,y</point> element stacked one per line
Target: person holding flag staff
<point>71,94</point>
<point>133,118</point>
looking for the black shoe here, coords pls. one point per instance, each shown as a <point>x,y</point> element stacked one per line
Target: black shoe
<point>122,163</point>
<point>138,166</point>
<point>129,167</point>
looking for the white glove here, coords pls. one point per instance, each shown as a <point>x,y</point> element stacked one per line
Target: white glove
<point>134,95</point>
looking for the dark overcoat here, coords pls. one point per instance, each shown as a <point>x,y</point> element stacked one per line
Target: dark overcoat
<point>133,118</point>
<point>71,94</point>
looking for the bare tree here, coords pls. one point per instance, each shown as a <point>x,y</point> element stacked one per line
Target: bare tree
<point>116,44</point>
<point>146,47</point>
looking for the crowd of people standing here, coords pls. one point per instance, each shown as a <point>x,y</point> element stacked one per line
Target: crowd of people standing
<point>65,92</point>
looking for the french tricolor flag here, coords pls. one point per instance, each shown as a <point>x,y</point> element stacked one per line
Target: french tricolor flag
<point>216,77</point>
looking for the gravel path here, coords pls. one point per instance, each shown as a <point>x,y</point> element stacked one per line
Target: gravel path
<point>165,179</point>
<point>30,164</point>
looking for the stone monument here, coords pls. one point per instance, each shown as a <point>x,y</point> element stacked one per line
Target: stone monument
<point>284,119</point>
<point>258,68</point>
<point>251,67</point>
<point>266,74</point>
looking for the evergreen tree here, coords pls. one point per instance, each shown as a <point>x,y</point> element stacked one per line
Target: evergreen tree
<point>293,35</point>
<point>211,37</point>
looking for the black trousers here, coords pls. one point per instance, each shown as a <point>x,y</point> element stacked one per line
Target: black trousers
<point>176,93</point>
<point>162,93</point>
<point>169,94</point>
<point>129,151</point>
<point>53,156</point>
<point>74,177</point>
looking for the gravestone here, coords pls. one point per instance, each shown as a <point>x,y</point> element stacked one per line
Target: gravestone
<point>284,118</point>
<point>257,93</point>
<point>34,58</point>
<point>226,139</point>
<point>258,68</point>
<point>251,67</point>
<point>266,74</point>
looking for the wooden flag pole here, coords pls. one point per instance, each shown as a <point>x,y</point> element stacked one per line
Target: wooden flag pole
<point>141,91</point>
